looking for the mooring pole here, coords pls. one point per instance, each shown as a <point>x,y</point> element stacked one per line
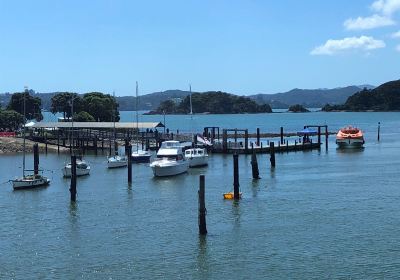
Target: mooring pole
<point>272,154</point>
<point>379,131</point>
<point>36,159</point>
<point>58,141</point>
<point>202,206</point>
<point>254,165</point>
<point>326,137</point>
<point>319,135</point>
<point>129,164</point>
<point>236,194</point>
<point>281,135</point>
<point>72,189</point>
<point>258,136</point>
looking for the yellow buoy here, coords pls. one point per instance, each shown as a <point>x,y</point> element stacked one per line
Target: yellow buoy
<point>231,195</point>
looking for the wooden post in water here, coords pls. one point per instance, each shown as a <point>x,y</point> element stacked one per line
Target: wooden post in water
<point>236,194</point>
<point>246,141</point>
<point>254,165</point>
<point>58,141</point>
<point>36,159</point>
<point>281,135</point>
<point>272,154</point>
<point>379,131</point>
<point>319,135</point>
<point>202,207</point>
<point>326,137</point>
<point>129,164</point>
<point>72,189</point>
<point>287,146</point>
<point>224,140</point>
<point>258,136</point>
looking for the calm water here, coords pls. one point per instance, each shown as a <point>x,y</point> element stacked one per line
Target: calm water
<point>319,214</point>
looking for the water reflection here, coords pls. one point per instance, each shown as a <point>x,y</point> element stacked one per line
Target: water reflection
<point>203,257</point>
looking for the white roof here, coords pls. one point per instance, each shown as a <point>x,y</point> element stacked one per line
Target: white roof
<point>98,125</point>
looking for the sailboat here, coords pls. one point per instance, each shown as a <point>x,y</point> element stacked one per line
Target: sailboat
<point>139,156</point>
<point>82,167</point>
<point>195,156</point>
<point>32,180</point>
<point>116,161</point>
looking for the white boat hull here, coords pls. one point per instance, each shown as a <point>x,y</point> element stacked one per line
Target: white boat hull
<point>116,162</point>
<point>197,161</point>
<point>79,171</point>
<point>350,143</point>
<point>169,169</point>
<point>24,183</point>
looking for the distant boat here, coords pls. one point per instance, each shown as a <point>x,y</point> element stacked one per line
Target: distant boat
<point>196,157</point>
<point>139,155</point>
<point>82,168</point>
<point>170,160</point>
<point>32,180</point>
<point>350,137</point>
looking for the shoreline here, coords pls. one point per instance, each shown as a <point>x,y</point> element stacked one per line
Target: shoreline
<point>11,145</point>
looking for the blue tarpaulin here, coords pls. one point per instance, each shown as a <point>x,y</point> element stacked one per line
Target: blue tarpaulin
<point>307,131</point>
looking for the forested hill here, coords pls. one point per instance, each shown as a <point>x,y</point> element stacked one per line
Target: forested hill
<point>386,97</point>
<point>214,102</point>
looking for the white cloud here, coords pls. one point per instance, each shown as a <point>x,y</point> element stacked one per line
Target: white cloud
<point>371,22</point>
<point>363,43</point>
<point>396,34</point>
<point>386,7</point>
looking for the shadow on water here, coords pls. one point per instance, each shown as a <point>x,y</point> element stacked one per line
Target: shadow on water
<point>350,151</point>
<point>203,257</point>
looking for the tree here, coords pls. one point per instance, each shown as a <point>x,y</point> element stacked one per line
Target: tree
<point>83,117</point>
<point>10,120</point>
<point>167,106</point>
<point>103,107</point>
<point>298,108</point>
<point>32,105</point>
<point>61,103</point>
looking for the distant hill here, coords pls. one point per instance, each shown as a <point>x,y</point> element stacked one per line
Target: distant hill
<point>386,97</point>
<point>306,97</point>
<point>311,98</point>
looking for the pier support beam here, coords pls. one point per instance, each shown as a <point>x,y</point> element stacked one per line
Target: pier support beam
<point>202,206</point>
<point>379,131</point>
<point>272,154</point>
<point>258,137</point>
<point>254,165</point>
<point>281,135</point>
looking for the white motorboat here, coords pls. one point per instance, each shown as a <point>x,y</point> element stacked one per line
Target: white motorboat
<point>31,180</point>
<point>170,160</point>
<point>197,157</point>
<point>82,168</point>
<point>117,161</point>
<point>350,137</point>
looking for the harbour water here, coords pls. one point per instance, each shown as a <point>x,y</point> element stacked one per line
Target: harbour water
<point>319,214</point>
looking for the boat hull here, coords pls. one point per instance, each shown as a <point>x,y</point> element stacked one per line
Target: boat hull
<point>350,143</point>
<point>197,161</point>
<point>169,170</point>
<point>21,184</point>
<point>141,158</point>
<point>116,164</point>
<point>79,171</point>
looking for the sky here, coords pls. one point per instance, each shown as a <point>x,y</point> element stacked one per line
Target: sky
<point>241,47</point>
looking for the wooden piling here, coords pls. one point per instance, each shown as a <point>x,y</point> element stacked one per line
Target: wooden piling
<point>281,135</point>
<point>254,165</point>
<point>258,137</point>
<point>129,164</point>
<point>319,135</point>
<point>272,154</point>
<point>379,131</point>
<point>45,141</point>
<point>58,141</point>
<point>36,159</point>
<point>236,194</point>
<point>72,189</point>
<point>246,141</point>
<point>202,207</point>
<point>326,137</point>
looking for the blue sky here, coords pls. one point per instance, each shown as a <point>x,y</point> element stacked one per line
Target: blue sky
<point>243,47</point>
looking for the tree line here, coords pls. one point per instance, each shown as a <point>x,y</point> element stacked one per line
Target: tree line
<point>214,102</point>
<point>92,106</point>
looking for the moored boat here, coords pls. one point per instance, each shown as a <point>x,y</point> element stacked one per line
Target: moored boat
<point>197,157</point>
<point>30,181</point>
<point>350,137</point>
<point>117,161</point>
<point>82,168</point>
<point>170,160</point>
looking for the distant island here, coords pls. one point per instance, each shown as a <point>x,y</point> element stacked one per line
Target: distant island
<point>298,109</point>
<point>213,102</point>
<point>386,97</point>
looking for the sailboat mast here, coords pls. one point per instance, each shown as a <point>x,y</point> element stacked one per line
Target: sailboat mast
<point>23,160</point>
<point>137,116</point>
<point>115,152</point>
<point>72,122</point>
